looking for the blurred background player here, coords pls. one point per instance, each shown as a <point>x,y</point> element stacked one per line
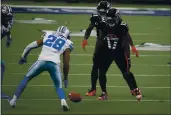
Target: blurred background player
<point>53,45</point>
<point>116,37</point>
<point>95,19</point>
<point>6,24</point>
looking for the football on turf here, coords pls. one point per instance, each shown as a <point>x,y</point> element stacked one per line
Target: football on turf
<point>74,97</point>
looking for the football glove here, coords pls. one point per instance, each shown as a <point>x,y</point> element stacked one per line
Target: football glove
<point>65,83</point>
<point>22,61</point>
<point>84,43</point>
<point>135,51</point>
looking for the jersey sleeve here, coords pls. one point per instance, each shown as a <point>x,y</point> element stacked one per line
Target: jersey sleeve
<point>70,45</point>
<point>124,28</point>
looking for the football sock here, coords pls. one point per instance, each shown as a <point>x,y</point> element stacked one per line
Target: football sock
<point>21,87</point>
<point>60,93</point>
<point>94,77</point>
<point>102,81</point>
<point>133,81</point>
<point>130,79</point>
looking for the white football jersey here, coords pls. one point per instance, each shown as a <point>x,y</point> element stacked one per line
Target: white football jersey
<point>53,46</point>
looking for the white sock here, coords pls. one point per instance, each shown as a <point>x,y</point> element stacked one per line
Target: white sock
<point>63,102</point>
<point>15,98</point>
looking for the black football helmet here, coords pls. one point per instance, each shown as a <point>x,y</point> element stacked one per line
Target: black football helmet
<point>102,7</point>
<point>113,17</point>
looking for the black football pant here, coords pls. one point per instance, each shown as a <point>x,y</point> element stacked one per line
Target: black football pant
<point>121,60</point>
<point>95,69</point>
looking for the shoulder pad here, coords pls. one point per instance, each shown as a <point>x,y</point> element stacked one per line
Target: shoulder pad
<point>124,26</point>
<point>95,18</point>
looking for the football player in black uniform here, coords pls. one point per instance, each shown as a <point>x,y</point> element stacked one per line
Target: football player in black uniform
<point>95,19</point>
<point>116,41</point>
<point>6,24</point>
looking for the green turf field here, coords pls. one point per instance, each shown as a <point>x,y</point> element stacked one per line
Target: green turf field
<point>151,70</point>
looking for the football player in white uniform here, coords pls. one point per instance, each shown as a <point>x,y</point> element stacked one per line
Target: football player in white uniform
<point>53,45</point>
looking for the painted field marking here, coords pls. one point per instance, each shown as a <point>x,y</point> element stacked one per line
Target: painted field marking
<point>137,75</point>
<point>81,54</point>
<point>110,100</point>
<point>146,65</point>
<point>81,86</point>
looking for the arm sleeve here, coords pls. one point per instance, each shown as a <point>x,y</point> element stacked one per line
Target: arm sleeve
<point>130,40</point>
<point>71,47</point>
<point>126,33</point>
<point>29,48</point>
<point>88,31</point>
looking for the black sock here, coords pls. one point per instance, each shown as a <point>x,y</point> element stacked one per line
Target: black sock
<point>94,77</point>
<point>130,79</point>
<point>102,81</point>
<point>134,83</point>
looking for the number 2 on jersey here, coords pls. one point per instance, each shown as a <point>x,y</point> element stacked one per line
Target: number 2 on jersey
<point>54,42</point>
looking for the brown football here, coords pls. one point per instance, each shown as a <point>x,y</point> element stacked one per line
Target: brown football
<point>74,97</point>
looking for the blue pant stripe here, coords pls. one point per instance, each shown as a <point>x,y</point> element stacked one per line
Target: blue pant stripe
<point>32,66</point>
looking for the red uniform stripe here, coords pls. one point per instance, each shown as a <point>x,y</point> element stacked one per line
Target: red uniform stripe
<point>127,65</point>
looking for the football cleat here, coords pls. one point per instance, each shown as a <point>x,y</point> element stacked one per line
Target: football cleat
<point>138,94</point>
<point>133,93</point>
<point>91,93</point>
<point>103,96</point>
<point>64,105</point>
<point>12,102</point>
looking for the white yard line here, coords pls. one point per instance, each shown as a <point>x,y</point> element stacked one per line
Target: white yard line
<point>85,7</point>
<point>86,86</point>
<point>94,39</point>
<point>13,63</point>
<point>80,54</point>
<point>110,100</point>
<point>137,75</point>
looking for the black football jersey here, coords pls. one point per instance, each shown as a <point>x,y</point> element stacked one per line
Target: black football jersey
<point>113,36</point>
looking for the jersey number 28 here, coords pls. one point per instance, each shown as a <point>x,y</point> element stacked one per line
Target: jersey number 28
<point>54,42</point>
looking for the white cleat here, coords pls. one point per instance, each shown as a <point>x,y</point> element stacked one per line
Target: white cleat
<point>64,105</point>
<point>12,103</point>
<point>138,94</point>
<point>139,97</point>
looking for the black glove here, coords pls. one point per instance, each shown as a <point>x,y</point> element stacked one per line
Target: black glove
<point>22,61</point>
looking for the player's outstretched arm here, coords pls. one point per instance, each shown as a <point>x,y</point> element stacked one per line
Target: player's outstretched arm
<point>66,60</point>
<point>87,35</point>
<point>27,50</point>
<point>88,31</point>
<point>130,41</point>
